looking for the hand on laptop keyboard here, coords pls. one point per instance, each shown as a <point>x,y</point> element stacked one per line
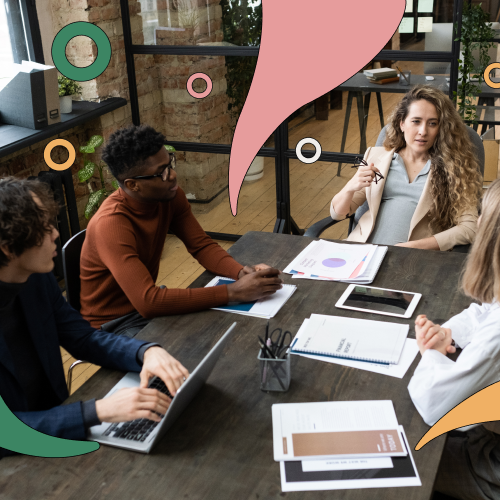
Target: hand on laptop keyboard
<point>135,403</point>
<point>139,429</point>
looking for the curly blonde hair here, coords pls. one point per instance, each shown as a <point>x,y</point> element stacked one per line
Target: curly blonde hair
<point>456,179</point>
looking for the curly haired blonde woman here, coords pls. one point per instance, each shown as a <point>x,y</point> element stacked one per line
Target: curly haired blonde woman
<point>431,184</point>
<point>470,465</point>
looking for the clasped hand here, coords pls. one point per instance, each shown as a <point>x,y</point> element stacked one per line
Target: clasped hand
<point>431,336</point>
<point>140,402</point>
<point>254,283</point>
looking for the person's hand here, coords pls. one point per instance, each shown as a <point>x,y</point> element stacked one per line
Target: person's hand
<point>158,362</point>
<point>132,403</point>
<point>431,336</point>
<point>255,286</point>
<point>252,269</point>
<point>407,244</point>
<point>362,178</point>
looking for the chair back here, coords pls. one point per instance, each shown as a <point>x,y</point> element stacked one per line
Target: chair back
<point>71,267</point>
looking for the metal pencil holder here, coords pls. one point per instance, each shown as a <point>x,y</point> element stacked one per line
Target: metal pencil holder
<point>274,373</point>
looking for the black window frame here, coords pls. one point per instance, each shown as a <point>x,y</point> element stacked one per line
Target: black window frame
<point>281,151</point>
<point>31,27</point>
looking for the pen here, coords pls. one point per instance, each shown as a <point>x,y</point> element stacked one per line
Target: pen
<point>266,349</point>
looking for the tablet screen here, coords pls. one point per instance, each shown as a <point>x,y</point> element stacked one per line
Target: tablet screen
<point>375,299</point>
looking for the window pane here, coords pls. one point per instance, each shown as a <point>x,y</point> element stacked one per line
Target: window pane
<point>325,118</point>
<point>204,179</point>
<point>197,22</point>
<point>164,99</point>
<point>13,46</point>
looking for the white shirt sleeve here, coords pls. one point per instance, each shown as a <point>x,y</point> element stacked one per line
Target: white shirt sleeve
<point>439,384</point>
<point>463,325</point>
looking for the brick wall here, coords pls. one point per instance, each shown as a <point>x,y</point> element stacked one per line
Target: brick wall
<point>161,84</point>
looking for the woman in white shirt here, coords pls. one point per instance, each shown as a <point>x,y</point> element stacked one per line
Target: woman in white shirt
<point>470,467</point>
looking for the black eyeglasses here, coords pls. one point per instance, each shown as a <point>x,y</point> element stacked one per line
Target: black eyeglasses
<point>164,174</point>
<point>361,161</point>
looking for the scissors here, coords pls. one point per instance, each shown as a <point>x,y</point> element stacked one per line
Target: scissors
<point>279,346</point>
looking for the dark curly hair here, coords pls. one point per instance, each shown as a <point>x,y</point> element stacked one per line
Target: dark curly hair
<point>128,148</point>
<point>23,223</point>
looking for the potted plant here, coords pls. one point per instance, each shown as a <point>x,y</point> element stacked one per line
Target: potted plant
<point>67,89</point>
<point>475,38</point>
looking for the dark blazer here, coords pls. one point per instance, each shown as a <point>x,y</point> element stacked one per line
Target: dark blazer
<point>52,322</point>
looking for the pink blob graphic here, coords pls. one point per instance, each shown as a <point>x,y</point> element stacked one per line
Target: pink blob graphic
<point>199,95</point>
<point>307,49</point>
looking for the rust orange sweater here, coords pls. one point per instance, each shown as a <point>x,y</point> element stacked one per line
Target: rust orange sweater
<point>121,257</point>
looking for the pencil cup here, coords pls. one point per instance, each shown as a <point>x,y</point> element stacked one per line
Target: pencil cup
<point>405,77</point>
<point>274,373</point>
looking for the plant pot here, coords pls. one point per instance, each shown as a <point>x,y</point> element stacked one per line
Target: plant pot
<point>256,170</point>
<point>66,104</point>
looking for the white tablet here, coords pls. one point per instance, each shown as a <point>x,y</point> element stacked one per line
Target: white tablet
<point>379,301</point>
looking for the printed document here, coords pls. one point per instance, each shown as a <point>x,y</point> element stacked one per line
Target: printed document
<point>336,429</point>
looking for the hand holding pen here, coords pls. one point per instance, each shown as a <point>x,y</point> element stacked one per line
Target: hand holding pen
<point>365,175</point>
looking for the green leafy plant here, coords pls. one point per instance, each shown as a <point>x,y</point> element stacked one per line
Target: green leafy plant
<point>476,34</point>
<point>67,86</point>
<point>85,174</point>
<point>242,25</point>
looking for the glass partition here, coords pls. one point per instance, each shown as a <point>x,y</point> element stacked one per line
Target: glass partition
<point>199,22</point>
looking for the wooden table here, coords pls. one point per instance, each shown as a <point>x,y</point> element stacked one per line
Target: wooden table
<point>221,447</point>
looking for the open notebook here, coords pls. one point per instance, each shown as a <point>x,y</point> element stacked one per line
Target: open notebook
<point>352,338</point>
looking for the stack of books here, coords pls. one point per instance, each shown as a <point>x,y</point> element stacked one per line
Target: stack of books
<point>382,75</point>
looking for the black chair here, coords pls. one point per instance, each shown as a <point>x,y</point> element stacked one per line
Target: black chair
<point>317,228</point>
<point>71,268</point>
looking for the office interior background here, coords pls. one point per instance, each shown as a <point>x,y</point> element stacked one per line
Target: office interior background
<point>156,45</point>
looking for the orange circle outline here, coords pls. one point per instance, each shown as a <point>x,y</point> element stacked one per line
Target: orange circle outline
<point>486,76</point>
<point>59,166</point>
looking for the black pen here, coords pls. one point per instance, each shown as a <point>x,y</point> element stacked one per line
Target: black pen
<point>267,331</point>
<point>266,349</point>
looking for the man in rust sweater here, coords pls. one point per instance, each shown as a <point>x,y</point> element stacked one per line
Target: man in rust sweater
<point>124,242</point>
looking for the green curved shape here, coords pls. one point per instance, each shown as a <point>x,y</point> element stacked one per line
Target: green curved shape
<point>21,438</point>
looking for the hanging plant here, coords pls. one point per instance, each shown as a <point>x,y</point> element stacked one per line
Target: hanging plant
<point>476,34</point>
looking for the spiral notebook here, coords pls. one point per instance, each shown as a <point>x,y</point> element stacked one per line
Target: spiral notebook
<point>352,338</point>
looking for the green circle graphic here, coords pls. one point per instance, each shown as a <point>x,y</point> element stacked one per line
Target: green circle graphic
<point>59,51</point>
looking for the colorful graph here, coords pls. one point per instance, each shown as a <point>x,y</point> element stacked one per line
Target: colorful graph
<point>334,262</point>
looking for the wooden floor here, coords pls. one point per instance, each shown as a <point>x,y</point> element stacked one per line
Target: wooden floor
<point>312,188</point>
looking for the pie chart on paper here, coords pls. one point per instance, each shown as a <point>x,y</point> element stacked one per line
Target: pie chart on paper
<point>334,262</point>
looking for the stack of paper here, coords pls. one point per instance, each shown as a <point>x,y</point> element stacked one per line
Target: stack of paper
<point>326,260</point>
<point>264,308</point>
<point>410,350</point>
<point>341,445</point>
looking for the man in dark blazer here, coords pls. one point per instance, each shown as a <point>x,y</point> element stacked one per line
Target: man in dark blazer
<point>35,320</point>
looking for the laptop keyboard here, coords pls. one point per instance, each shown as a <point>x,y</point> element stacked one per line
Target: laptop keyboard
<point>141,428</point>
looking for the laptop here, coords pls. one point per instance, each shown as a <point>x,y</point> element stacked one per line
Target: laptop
<point>141,435</point>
